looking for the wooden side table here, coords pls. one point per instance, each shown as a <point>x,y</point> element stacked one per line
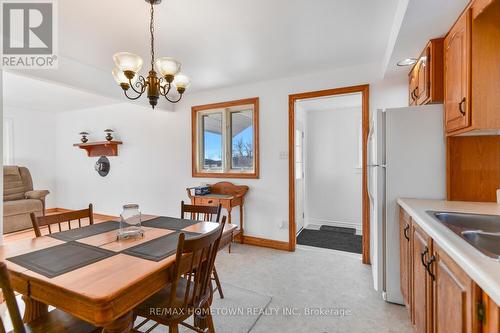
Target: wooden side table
<point>229,196</point>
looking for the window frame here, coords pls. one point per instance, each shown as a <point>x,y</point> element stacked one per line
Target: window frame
<point>197,112</point>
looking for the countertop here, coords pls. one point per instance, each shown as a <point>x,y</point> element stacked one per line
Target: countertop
<point>483,270</point>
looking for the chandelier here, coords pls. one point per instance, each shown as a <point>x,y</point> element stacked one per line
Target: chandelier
<point>128,65</point>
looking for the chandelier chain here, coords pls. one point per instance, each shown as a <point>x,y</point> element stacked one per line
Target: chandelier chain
<point>152,29</point>
<point>155,86</point>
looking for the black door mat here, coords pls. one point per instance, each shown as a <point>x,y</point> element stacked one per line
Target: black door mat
<point>62,258</point>
<point>171,223</point>
<point>340,241</point>
<point>351,231</point>
<point>87,231</point>
<point>159,248</point>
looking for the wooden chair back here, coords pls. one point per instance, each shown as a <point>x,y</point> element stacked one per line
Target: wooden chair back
<point>201,213</point>
<point>67,217</point>
<point>10,300</point>
<point>229,189</point>
<point>195,260</point>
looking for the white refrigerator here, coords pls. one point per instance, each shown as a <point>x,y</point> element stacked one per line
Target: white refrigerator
<point>406,158</point>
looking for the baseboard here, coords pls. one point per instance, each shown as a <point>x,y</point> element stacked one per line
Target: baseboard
<point>57,210</point>
<point>263,242</point>
<point>345,224</point>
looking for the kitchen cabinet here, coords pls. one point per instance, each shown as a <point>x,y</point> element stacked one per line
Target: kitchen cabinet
<point>453,296</point>
<point>412,84</point>
<point>421,282</point>
<point>472,69</point>
<point>426,76</point>
<point>405,258</point>
<point>479,6</point>
<point>490,314</point>
<point>441,297</point>
<point>457,74</point>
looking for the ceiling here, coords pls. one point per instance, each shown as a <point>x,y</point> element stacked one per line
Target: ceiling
<point>230,42</point>
<point>423,20</point>
<point>331,102</point>
<point>220,42</point>
<point>49,97</point>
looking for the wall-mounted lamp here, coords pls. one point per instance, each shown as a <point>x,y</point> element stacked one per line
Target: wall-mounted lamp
<point>406,62</point>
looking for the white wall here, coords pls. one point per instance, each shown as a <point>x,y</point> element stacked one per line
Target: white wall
<point>34,146</point>
<point>334,176</point>
<point>154,166</point>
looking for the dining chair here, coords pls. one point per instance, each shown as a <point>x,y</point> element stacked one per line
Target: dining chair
<point>67,217</point>
<point>190,291</point>
<point>207,214</point>
<point>55,321</point>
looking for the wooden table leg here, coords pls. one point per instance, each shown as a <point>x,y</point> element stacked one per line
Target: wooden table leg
<point>124,324</point>
<point>33,309</point>
<point>229,221</point>
<point>241,219</point>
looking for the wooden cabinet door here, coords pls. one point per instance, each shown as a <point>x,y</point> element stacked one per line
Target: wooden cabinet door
<point>457,74</point>
<point>423,77</point>
<point>422,291</point>
<point>491,321</point>
<point>454,296</point>
<point>405,257</point>
<point>412,84</point>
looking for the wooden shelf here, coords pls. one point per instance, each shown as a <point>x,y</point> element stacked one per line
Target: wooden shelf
<point>100,148</point>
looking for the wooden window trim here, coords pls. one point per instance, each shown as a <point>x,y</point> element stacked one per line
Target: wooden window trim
<point>194,139</point>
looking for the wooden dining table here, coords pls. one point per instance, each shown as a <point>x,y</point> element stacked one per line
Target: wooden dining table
<point>103,293</point>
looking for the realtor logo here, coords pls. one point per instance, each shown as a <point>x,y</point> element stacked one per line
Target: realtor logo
<point>29,32</point>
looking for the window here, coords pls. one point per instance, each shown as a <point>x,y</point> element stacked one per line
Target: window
<point>8,158</point>
<point>225,139</point>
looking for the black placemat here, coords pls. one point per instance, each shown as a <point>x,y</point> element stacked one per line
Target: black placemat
<point>159,248</point>
<point>62,258</point>
<point>87,231</point>
<point>171,223</point>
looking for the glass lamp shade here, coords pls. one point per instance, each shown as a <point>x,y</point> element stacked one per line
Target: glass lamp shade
<point>167,66</point>
<point>126,61</point>
<point>120,76</point>
<point>181,81</point>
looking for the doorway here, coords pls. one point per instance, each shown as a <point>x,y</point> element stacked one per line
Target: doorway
<point>316,146</point>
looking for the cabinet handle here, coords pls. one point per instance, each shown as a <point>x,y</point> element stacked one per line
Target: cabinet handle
<point>210,201</point>
<point>422,255</point>
<point>413,94</point>
<point>417,95</point>
<point>405,232</point>
<point>461,106</point>
<point>428,267</point>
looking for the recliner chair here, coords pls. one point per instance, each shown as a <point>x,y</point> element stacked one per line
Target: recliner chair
<point>19,199</point>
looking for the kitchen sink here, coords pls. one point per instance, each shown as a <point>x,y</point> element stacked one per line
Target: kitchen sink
<point>488,243</point>
<point>488,223</point>
<point>481,231</point>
